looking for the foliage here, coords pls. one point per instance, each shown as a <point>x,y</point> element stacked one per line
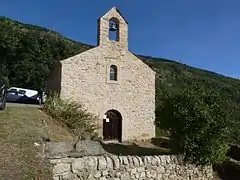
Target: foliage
<point>28,54</point>
<point>72,115</point>
<point>4,80</point>
<point>198,120</point>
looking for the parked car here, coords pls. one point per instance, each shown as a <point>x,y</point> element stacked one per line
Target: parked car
<point>21,95</point>
<point>3,91</point>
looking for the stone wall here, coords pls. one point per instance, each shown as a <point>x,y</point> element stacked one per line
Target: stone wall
<point>163,167</point>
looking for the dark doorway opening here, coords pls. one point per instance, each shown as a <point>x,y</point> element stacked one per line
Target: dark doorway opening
<point>112,126</point>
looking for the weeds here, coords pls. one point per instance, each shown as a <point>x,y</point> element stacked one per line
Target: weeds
<point>72,115</point>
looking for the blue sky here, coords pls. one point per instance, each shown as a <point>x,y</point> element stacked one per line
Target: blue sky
<point>200,33</point>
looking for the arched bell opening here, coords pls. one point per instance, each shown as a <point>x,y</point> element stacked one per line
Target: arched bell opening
<point>114,29</point>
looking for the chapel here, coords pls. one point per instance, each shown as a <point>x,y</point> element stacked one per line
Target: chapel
<point>111,82</point>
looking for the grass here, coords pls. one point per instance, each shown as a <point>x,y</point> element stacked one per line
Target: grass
<point>19,129</point>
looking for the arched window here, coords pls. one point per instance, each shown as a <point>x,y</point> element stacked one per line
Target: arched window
<point>113,29</point>
<point>113,73</point>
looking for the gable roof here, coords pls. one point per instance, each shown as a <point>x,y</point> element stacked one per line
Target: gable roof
<point>118,11</point>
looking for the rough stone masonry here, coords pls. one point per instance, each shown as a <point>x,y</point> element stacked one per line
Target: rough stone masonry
<point>111,167</point>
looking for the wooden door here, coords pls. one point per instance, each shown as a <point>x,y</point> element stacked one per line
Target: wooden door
<point>112,128</point>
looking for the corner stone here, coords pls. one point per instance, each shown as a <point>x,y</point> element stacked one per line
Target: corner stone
<point>116,163</point>
<point>91,162</point>
<point>109,162</point>
<point>135,161</point>
<point>102,163</point>
<point>61,168</point>
<point>78,165</point>
<point>98,174</point>
<point>125,176</point>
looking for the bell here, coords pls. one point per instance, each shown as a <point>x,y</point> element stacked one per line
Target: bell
<point>113,27</point>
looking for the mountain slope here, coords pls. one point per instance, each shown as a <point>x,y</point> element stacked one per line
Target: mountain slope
<point>28,53</point>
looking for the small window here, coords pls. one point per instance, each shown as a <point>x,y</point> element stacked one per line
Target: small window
<point>113,73</point>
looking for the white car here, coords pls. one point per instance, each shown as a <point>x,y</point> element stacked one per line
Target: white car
<point>15,94</point>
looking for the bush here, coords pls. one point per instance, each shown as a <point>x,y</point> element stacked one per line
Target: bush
<point>197,120</point>
<point>72,115</point>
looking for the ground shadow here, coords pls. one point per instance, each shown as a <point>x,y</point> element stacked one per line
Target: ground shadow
<point>133,149</point>
<point>165,142</point>
<point>228,171</point>
<point>234,152</point>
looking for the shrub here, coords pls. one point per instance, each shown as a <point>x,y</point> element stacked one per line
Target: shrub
<point>72,115</point>
<point>197,120</point>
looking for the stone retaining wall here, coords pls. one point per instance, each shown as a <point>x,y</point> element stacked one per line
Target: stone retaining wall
<point>163,167</point>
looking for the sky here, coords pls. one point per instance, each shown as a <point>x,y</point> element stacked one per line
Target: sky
<point>199,33</point>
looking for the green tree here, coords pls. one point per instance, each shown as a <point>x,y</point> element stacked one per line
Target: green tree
<point>198,121</point>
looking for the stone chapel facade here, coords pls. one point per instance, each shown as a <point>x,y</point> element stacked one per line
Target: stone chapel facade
<point>111,83</point>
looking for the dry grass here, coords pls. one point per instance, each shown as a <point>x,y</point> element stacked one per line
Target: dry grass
<point>19,129</point>
<point>71,115</point>
<point>55,130</point>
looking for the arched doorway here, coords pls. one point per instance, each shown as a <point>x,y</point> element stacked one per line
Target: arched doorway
<point>112,125</point>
